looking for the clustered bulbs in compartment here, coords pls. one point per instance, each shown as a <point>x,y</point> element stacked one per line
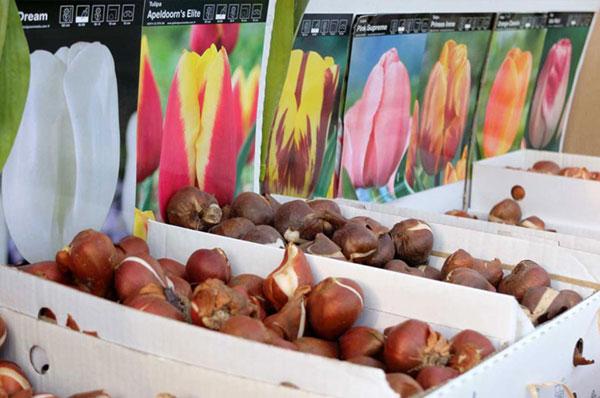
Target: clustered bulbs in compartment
<point>550,167</point>
<point>14,383</point>
<point>287,309</point>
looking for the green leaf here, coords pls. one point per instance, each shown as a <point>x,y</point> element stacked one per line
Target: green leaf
<point>14,76</point>
<point>348,190</point>
<point>242,160</point>
<point>285,25</point>
<point>327,169</point>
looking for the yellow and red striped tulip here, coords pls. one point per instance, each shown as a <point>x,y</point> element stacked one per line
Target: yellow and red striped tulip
<point>301,125</point>
<point>149,119</point>
<point>140,223</point>
<point>245,96</point>
<point>506,102</point>
<point>550,94</point>
<point>413,146</point>
<point>445,107</point>
<point>458,173</point>
<point>221,35</point>
<point>376,127</point>
<point>199,139</point>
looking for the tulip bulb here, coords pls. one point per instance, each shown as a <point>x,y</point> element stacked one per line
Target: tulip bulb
<point>213,303</point>
<point>470,278</point>
<point>506,212</point>
<point>253,207</point>
<point>234,228</point>
<point>48,270</point>
<point>358,243</point>
<point>333,306</point>
<point>172,268</point>
<point>527,274</point>
<point>546,167</point>
<point>247,328</point>
<point>323,246</point>
<point>12,378</point>
<point>402,267</point>
<point>91,259</point>
<point>413,240</point>
<point>468,349</point>
<point>135,272</point>
<point>433,376</point>
<point>460,213</point>
<point>361,341</point>
<point>130,246</point>
<point>533,222</point>
<point>290,322</point>
<point>312,345</point>
<point>191,208</point>
<point>265,235</point>
<point>206,264</point>
<point>403,384</point>
<point>367,361</point>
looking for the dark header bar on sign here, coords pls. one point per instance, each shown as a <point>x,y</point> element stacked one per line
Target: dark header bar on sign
<point>511,21</point>
<point>461,22</point>
<point>570,19</point>
<point>193,12</point>
<point>79,14</point>
<point>391,24</point>
<point>325,25</point>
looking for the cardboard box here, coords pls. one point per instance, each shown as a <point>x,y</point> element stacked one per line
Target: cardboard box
<point>389,297</point>
<point>75,362</point>
<point>568,205</point>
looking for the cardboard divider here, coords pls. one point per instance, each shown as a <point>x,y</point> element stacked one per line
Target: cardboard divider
<point>72,358</point>
<point>568,205</point>
<point>389,297</point>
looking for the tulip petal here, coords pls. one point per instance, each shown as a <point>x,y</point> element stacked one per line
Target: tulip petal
<point>203,36</point>
<point>141,220</point>
<point>229,34</point>
<point>550,95</point>
<point>63,168</point>
<point>150,118</point>
<point>433,119</point>
<point>181,129</point>
<point>94,110</point>
<point>391,133</point>
<point>216,150</point>
<point>238,82</point>
<point>505,104</point>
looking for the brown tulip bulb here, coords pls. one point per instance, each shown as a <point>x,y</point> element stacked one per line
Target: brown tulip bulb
<point>384,254</point>
<point>155,305</point>
<point>430,272</point>
<point>91,259</point>
<point>413,240</point>
<point>253,284</point>
<point>358,243</point>
<point>433,376</point>
<point>293,272</point>
<point>367,361</point>
<point>527,274</point>
<point>412,345</point>
<point>565,300</point>
<point>213,303</point>
<point>545,303</point>
<point>265,235</point>
<point>193,209</point>
<point>533,222</point>
<point>506,212</point>
<point>292,218</point>
<point>468,348</point>
<point>12,379</point>
<point>460,213</point>
<point>172,268</point>
<point>470,278</point>
<point>546,167</point>
<point>206,264</point>
<point>361,341</point>
<point>290,322</point>
<point>135,272</point>
<point>130,246</point>
<point>253,207</point>
<point>576,172</point>
<point>234,228</point>
<point>402,267</point>
<point>371,224</point>
<point>48,270</point>
<point>324,247</point>
<point>312,345</point>
<point>403,384</point>
<point>517,192</point>
<point>490,270</point>
<point>181,287</point>
<point>247,328</point>
<point>322,206</point>
<point>459,259</point>
<point>333,306</point>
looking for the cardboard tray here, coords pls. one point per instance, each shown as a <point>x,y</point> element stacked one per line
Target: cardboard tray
<point>75,362</point>
<point>568,205</point>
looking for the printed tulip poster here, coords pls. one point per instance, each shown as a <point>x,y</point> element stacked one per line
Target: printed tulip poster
<point>301,152</point>
<point>199,73</point>
<point>443,114</point>
<point>563,49</point>
<point>381,109</point>
<point>508,85</point>
<point>68,164</point>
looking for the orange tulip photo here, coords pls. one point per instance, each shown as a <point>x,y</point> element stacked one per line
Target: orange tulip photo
<point>507,89</point>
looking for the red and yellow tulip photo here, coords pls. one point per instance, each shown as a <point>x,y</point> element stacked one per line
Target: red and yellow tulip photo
<point>506,103</point>
<point>221,35</point>
<point>445,107</point>
<point>301,125</point>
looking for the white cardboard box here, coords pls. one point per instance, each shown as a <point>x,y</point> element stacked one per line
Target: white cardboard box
<point>77,363</point>
<point>568,205</point>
